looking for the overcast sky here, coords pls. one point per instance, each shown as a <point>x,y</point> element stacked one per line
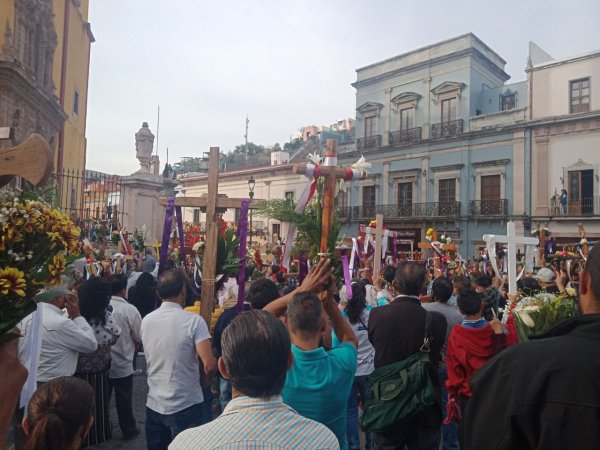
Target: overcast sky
<point>285,63</point>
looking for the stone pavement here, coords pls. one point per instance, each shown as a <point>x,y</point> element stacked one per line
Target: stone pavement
<point>140,392</point>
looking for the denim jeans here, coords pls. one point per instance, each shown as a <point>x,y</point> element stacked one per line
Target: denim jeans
<point>161,429</point>
<point>359,390</point>
<point>450,431</point>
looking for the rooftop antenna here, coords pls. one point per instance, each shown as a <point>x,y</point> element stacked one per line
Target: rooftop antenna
<point>157,129</point>
<point>246,138</point>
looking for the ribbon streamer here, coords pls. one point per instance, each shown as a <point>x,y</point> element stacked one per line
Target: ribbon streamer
<point>347,279</point>
<point>164,247</point>
<point>243,234</point>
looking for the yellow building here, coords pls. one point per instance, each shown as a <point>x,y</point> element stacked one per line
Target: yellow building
<point>44,68</point>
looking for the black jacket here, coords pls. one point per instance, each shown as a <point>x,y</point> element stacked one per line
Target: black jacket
<point>543,394</point>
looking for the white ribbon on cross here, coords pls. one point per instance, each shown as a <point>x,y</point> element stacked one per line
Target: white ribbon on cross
<point>512,240</point>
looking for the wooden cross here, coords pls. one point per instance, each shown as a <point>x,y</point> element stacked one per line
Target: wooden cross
<point>429,245</point>
<point>212,201</point>
<point>331,172</point>
<point>512,240</point>
<point>31,159</point>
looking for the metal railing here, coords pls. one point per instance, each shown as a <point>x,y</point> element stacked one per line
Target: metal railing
<point>369,142</point>
<point>447,129</point>
<point>409,211</point>
<point>586,206</point>
<point>497,207</point>
<point>88,198</point>
<point>405,136</point>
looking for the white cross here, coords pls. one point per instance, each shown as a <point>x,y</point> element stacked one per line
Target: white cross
<point>512,240</point>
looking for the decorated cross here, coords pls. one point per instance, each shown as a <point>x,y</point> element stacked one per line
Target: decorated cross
<point>331,173</point>
<point>211,202</point>
<point>512,240</point>
<point>437,247</point>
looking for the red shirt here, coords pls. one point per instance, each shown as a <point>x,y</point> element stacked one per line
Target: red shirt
<point>468,350</point>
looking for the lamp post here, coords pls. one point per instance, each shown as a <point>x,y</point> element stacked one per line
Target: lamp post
<point>251,184</point>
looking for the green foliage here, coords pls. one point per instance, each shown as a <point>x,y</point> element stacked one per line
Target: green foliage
<point>308,224</point>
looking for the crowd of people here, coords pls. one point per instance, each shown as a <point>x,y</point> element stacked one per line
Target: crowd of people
<point>417,363</point>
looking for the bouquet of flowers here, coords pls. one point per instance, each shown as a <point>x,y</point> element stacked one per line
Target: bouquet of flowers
<point>139,238</point>
<point>536,315</point>
<point>35,241</point>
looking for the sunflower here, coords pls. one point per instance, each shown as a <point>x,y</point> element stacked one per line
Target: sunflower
<point>12,281</point>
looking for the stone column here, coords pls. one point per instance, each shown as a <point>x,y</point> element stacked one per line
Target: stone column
<point>518,167</point>
<point>386,183</point>
<point>540,167</point>
<point>140,204</point>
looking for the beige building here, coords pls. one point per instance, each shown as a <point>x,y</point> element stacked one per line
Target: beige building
<point>564,114</point>
<point>271,182</point>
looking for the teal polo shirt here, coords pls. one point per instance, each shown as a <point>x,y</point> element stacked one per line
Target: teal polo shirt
<point>319,383</point>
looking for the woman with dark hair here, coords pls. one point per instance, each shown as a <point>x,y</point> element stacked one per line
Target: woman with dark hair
<point>357,313</point>
<point>59,415</point>
<point>142,294</point>
<point>94,297</point>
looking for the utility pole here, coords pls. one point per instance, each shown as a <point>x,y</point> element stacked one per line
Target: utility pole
<point>157,129</point>
<point>246,138</point>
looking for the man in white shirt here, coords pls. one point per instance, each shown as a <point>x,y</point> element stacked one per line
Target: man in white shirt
<point>62,338</point>
<point>173,340</point>
<point>120,376</point>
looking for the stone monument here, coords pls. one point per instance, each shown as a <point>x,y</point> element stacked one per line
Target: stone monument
<point>142,188</point>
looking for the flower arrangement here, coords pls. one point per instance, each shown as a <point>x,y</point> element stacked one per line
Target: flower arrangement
<point>35,241</point>
<point>432,236</point>
<point>536,315</point>
<point>138,238</point>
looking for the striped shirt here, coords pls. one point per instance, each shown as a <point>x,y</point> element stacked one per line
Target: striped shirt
<point>255,423</point>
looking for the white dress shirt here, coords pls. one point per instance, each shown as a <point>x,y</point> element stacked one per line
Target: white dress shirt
<point>129,320</point>
<point>169,336</point>
<point>61,341</point>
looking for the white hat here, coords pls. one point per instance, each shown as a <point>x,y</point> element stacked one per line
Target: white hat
<point>545,274</point>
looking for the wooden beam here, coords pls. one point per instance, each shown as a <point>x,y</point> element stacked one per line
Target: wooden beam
<point>378,245</point>
<point>222,202</point>
<point>209,265</point>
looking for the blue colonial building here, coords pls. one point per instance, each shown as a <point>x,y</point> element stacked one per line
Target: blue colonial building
<point>447,139</point>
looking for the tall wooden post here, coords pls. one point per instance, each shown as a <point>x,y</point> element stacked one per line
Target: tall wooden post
<point>209,264</point>
<point>329,184</point>
<point>378,245</point>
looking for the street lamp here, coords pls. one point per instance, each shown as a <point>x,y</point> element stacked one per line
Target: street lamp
<point>251,184</point>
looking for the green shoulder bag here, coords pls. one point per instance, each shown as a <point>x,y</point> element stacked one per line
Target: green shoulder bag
<point>400,391</point>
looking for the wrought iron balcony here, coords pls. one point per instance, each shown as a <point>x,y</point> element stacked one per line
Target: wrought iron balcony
<point>405,136</point>
<point>447,129</point>
<point>586,206</point>
<point>489,207</point>
<point>368,143</point>
<point>415,210</point>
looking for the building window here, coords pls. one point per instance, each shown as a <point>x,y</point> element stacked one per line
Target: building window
<point>490,194</point>
<point>196,215</point>
<point>508,101</point>
<point>405,194</point>
<point>276,228</point>
<point>448,110</point>
<point>76,103</point>
<point>237,214</point>
<point>447,190</point>
<point>581,192</point>
<point>407,118</point>
<point>342,199</point>
<point>580,95</point>
<point>370,126</point>
<point>369,196</point>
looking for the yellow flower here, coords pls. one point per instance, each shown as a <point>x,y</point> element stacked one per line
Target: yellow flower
<point>56,268</point>
<point>12,281</point>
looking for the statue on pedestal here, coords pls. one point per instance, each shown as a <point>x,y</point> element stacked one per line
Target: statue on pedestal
<point>144,143</point>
